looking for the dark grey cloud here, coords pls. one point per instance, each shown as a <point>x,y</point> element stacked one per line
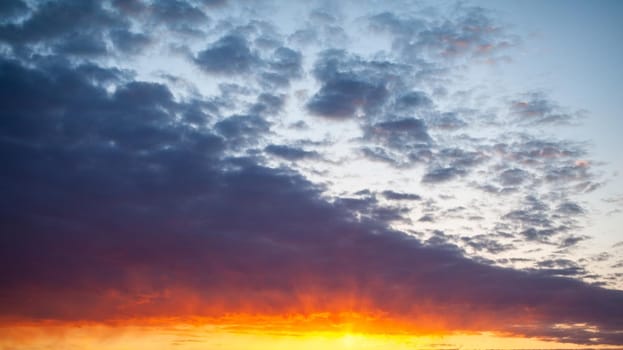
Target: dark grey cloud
<point>437,175</point>
<point>86,28</point>
<point>400,196</point>
<point>413,100</point>
<point>414,128</point>
<point>341,97</point>
<point>82,45</point>
<point>426,218</point>
<point>399,133</point>
<point>132,7</point>
<point>68,27</point>
<point>101,145</point>
<point>242,130</point>
<point>537,221</point>
<point>178,14</point>
<point>488,243</point>
<point>560,267</point>
<point>399,142</point>
<point>11,8</point>
<point>130,42</point>
<point>284,66</point>
<point>268,104</point>
<point>451,163</point>
<point>263,59</point>
<point>349,84</point>
<point>457,157</point>
<point>214,3</point>
<point>571,240</point>
<point>533,234</point>
<point>291,153</point>
<point>379,154</point>
<point>230,54</point>
<point>52,19</point>
<point>513,177</point>
<point>529,217</point>
<point>570,208</point>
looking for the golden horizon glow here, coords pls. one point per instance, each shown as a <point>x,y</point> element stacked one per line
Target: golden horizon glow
<point>166,334</point>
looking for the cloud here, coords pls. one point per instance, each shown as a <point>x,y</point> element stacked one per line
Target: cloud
<point>242,130</point>
<point>341,97</point>
<point>447,121</point>
<point>130,42</point>
<point>413,100</point>
<point>486,243</point>
<point>235,54</point>
<point>570,208</point>
<point>469,32</point>
<point>75,28</point>
<point>560,267</point>
<point>400,196</point>
<point>290,153</point>
<point>177,14</point>
<point>11,8</point>
<point>437,175</point>
<point>349,84</point>
<point>228,55</point>
<point>513,177</point>
<point>166,214</point>
<point>426,218</point>
<point>285,65</point>
<point>399,133</point>
<point>533,212</point>
<point>536,109</point>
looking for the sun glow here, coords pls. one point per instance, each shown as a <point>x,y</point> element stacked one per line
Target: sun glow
<point>187,336</point>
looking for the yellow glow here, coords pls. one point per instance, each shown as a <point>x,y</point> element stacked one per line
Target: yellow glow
<point>201,337</point>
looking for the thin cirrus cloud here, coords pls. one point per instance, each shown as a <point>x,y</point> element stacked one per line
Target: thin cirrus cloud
<point>124,198</point>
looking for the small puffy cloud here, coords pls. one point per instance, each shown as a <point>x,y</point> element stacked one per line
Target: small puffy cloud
<point>177,14</point>
<point>445,174</point>
<point>342,97</point>
<point>230,54</point>
<point>400,196</point>
<point>536,109</point>
<point>349,84</point>
<point>513,177</point>
<point>413,100</point>
<point>290,153</point>
<point>570,208</point>
<point>399,133</point>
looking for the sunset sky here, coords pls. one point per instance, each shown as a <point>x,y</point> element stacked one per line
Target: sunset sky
<point>251,175</point>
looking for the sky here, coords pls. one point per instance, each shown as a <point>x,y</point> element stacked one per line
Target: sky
<point>214,174</point>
